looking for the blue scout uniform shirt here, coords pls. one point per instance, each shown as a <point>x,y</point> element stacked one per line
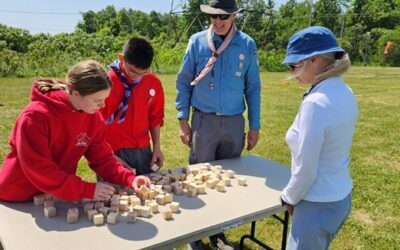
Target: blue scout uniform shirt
<point>234,79</point>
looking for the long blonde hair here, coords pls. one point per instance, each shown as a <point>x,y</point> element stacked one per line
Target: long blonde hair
<point>86,77</point>
<point>336,67</point>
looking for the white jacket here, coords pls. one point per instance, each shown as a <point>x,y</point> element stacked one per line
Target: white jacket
<point>320,141</point>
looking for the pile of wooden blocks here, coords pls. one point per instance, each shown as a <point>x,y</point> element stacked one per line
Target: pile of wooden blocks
<point>158,198</point>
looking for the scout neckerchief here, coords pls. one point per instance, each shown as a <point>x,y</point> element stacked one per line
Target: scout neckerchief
<point>215,53</point>
<point>123,106</point>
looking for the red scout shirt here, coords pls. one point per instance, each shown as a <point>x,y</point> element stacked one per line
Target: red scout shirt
<point>145,111</point>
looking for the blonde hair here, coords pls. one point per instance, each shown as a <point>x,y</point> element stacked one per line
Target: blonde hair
<point>336,67</point>
<point>86,77</point>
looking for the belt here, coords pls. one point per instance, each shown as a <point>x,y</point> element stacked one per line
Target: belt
<point>211,113</point>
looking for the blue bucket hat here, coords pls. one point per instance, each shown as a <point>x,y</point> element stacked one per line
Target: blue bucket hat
<point>309,42</point>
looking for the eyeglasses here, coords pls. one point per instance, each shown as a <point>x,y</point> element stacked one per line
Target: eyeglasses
<point>221,16</point>
<point>134,74</point>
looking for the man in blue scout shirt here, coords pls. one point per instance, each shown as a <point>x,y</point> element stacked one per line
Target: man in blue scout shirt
<point>219,74</point>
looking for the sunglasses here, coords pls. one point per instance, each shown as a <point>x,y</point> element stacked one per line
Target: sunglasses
<point>295,65</point>
<point>221,17</point>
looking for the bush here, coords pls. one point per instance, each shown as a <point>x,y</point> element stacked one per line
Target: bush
<point>272,60</point>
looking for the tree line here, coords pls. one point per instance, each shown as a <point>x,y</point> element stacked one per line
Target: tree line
<point>363,29</point>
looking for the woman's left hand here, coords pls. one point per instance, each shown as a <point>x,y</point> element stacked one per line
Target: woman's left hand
<point>140,181</point>
<point>289,208</point>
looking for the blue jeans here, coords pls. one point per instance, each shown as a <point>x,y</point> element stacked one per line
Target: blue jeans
<point>315,224</point>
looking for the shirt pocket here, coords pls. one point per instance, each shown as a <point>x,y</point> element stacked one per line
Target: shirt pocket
<point>238,61</point>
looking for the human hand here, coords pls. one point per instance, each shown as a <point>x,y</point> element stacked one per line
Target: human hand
<point>103,191</point>
<point>185,133</point>
<point>289,208</point>
<point>252,138</point>
<point>157,158</point>
<point>140,181</point>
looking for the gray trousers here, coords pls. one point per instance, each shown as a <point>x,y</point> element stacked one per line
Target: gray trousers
<point>315,224</point>
<point>137,158</point>
<point>216,137</point>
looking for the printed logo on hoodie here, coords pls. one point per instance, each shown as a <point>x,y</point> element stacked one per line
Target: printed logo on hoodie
<point>82,140</point>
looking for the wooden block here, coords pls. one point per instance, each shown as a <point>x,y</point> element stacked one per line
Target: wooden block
<point>144,190</point>
<point>160,199</point>
<point>154,207</point>
<point>167,213</point>
<point>98,219</point>
<point>195,171</point>
<point>137,209</point>
<point>123,205</point>
<point>72,215</point>
<point>152,194</point>
<point>124,197</point>
<point>91,213</point>
<point>114,202</point>
<point>201,189</point>
<point>221,186</point>
<point>145,211</point>
<point>74,210</point>
<point>186,170</point>
<point>115,196</point>
<point>168,198</point>
<point>178,190</point>
<point>134,200</point>
<point>104,211</point>
<point>166,179</point>
<point>48,203</point>
<point>49,211</point>
<point>167,188</point>
<point>112,218</point>
<point>227,181</point>
<point>182,177</point>
<point>174,206</point>
<point>229,174</point>
<point>218,167</point>
<point>114,209</point>
<point>131,217</point>
<point>242,181</point>
<point>155,167</point>
<point>98,205</point>
<point>185,184</point>
<point>211,184</point>
<point>191,193</point>
<point>87,207</point>
<point>38,200</point>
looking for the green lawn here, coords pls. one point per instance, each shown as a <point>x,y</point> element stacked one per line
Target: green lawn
<point>375,220</point>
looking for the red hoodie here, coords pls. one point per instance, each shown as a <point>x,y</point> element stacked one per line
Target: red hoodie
<point>48,140</point>
<point>145,111</point>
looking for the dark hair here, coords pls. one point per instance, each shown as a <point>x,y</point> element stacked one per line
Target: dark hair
<point>86,77</point>
<point>138,52</point>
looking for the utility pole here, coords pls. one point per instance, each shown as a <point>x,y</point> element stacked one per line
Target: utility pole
<point>342,29</point>
<point>312,14</point>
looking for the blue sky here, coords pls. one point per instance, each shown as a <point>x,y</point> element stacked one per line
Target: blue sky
<point>56,16</point>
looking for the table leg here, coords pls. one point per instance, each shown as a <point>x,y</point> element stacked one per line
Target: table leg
<point>285,222</point>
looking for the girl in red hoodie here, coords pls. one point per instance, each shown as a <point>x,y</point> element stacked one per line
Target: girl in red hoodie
<point>53,132</point>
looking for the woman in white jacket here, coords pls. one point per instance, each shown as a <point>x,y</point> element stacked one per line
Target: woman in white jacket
<point>318,195</point>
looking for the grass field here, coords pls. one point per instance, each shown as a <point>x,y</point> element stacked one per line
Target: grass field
<point>375,219</point>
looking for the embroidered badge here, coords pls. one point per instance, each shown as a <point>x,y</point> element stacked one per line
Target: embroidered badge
<point>82,140</point>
